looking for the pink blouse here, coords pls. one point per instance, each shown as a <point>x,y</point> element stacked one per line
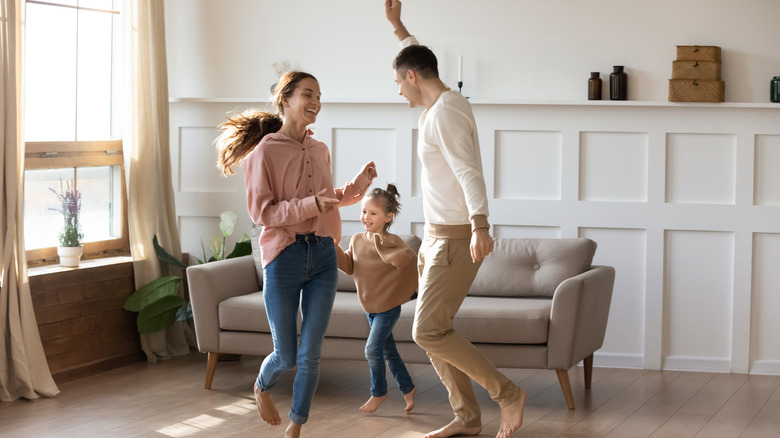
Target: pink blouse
<point>282,178</point>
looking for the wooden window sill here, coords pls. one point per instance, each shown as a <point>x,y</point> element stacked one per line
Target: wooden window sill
<point>84,264</point>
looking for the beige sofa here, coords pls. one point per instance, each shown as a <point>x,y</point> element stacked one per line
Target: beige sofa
<point>535,303</point>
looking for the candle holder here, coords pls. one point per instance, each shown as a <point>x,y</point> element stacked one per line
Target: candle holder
<point>460,87</point>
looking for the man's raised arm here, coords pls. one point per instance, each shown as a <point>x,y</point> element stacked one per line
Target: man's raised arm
<point>393,13</point>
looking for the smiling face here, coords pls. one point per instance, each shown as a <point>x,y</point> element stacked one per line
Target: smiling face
<point>373,216</point>
<point>304,104</point>
<point>407,88</point>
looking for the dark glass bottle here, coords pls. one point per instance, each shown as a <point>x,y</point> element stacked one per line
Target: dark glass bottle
<point>618,84</point>
<point>594,86</point>
<point>774,89</point>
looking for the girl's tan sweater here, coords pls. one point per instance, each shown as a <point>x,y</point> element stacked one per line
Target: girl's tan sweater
<point>384,269</point>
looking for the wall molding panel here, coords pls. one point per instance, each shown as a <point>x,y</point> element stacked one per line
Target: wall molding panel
<point>683,199</point>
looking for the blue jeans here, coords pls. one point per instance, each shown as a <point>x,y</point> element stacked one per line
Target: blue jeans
<point>305,273</point>
<point>380,348</point>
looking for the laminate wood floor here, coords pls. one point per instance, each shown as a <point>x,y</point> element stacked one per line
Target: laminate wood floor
<point>167,399</point>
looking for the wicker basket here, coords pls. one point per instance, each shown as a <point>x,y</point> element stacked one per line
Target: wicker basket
<point>696,70</point>
<point>696,90</point>
<point>698,53</point>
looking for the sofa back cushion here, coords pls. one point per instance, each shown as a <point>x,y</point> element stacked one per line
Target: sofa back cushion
<point>346,282</point>
<point>531,267</point>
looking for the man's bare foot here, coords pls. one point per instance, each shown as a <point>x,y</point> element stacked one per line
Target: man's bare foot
<point>512,416</point>
<point>293,430</point>
<point>409,398</point>
<point>266,407</point>
<point>373,404</point>
<point>452,429</point>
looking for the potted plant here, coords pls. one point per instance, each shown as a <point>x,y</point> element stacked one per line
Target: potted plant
<point>70,248</point>
<point>158,302</point>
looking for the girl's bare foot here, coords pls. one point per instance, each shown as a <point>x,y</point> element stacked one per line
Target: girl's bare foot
<point>293,430</point>
<point>373,404</point>
<point>409,398</point>
<point>266,407</point>
<point>452,429</point>
<point>512,416</point>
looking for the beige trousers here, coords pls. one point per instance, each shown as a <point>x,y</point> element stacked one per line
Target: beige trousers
<point>446,273</point>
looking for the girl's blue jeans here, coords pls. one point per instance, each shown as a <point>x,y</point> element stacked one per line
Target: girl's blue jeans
<point>303,276</point>
<point>380,348</point>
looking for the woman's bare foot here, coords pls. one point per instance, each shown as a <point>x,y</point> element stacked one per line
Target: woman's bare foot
<point>373,404</point>
<point>452,429</point>
<point>293,430</point>
<point>409,398</point>
<point>266,407</point>
<point>512,416</point>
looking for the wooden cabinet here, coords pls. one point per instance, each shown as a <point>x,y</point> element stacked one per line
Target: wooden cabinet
<point>83,327</point>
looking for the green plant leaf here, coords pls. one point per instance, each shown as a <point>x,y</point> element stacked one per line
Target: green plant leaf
<point>185,312</point>
<point>163,255</point>
<point>160,314</point>
<point>228,222</point>
<point>241,249</point>
<point>153,291</point>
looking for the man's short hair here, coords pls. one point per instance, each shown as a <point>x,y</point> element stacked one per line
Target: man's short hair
<point>418,58</point>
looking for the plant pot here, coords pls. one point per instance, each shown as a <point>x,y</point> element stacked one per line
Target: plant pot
<point>70,255</point>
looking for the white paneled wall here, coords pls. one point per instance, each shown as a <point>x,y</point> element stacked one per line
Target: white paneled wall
<point>683,200</point>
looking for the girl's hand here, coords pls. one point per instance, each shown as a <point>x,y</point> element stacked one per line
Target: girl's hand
<point>369,170</point>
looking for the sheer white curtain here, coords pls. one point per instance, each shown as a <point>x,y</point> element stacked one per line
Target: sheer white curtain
<point>151,208</point>
<point>24,372</point>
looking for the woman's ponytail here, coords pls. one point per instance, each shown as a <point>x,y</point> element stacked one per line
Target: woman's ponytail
<point>240,134</point>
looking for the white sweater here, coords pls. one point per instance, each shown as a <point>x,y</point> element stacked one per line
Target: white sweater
<point>453,184</point>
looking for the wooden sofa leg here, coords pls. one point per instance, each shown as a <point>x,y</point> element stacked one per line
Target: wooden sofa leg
<point>211,366</point>
<point>587,365</point>
<point>563,379</point>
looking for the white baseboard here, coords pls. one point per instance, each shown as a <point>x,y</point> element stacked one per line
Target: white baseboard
<point>765,367</point>
<point>703,364</point>
<point>618,360</point>
<point>683,363</point>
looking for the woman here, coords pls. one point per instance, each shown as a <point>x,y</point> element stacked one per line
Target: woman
<point>290,193</point>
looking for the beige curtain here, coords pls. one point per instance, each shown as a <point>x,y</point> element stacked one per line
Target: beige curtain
<point>151,205</point>
<point>24,372</point>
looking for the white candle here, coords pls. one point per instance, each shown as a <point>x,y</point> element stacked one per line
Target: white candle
<point>460,68</point>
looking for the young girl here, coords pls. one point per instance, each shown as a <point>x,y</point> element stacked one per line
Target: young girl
<point>385,274</point>
<point>289,191</point>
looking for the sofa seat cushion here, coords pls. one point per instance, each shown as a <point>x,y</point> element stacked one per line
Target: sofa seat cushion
<point>244,313</point>
<point>498,320</point>
<point>348,320</point>
<point>492,320</point>
<point>247,313</point>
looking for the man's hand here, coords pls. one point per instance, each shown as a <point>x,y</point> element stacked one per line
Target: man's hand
<point>481,244</point>
<point>393,13</point>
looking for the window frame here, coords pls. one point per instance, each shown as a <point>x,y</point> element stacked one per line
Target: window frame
<point>75,154</point>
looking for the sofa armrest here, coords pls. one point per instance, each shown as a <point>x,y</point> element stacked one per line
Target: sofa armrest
<point>578,318</point>
<point>210,284</point>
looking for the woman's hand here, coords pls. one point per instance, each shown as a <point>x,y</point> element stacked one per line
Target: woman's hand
<point>369,170</point>
<point>325,203</point>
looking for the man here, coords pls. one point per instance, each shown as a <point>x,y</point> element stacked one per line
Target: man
<point>457,237</point>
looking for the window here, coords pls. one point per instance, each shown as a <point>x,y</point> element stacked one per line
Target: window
<point>71,123</point>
